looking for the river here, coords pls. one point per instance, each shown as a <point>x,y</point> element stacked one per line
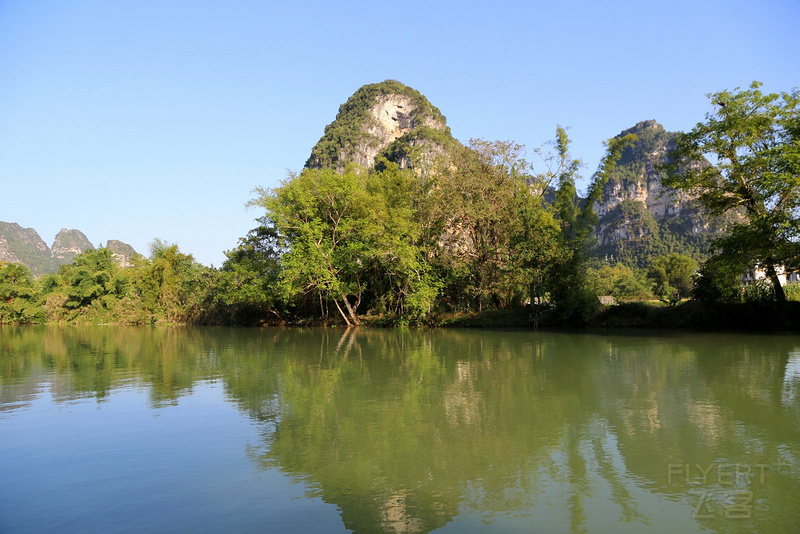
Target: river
<point>139,429</point>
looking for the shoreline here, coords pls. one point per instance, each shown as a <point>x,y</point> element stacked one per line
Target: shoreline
<point>763,317</point>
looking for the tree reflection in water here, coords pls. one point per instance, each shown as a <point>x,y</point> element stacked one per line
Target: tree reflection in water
<point>409,431</point>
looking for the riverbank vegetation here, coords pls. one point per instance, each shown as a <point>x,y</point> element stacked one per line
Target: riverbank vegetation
<point>483,237</point>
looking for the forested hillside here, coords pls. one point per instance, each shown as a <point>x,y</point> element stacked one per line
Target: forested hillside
<point>395,222</point>
<point>641,218</point>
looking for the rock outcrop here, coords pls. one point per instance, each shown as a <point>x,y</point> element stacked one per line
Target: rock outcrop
<point>68,244</point>
<point>121,252</point>
<point>638,215</point>
<point>385,119</point>
<point>24,245</point>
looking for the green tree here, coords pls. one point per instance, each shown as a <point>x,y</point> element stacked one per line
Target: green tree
<point>720,279</point>
<point>570,289</point>
<point>169,283</point>
<point>474,212</point>
<point>18,295</point>
<point>328,222</point>
<point>92,277</point>
<point>755,139</point>
<point>672,276</point>
<point>568,285</point>
<point>402,282</point>
<point>537,251</point>
<point>352,239</point>
<point>246,284</point>
<point>619,281</point>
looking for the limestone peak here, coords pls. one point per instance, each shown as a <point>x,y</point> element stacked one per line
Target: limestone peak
<point>386,118</point>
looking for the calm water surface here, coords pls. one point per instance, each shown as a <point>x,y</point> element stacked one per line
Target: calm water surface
<point>110,429</point>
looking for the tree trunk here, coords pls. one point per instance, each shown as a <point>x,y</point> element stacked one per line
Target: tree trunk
<point>535,304</point>
<point>351,312</point>
<point>780,296</point>
<point>342,311</point>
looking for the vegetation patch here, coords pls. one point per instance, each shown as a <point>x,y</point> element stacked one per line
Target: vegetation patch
<point>694,315</point>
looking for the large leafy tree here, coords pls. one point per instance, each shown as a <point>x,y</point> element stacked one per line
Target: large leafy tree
<point>350,235</point>
<point>169,283</point>
<point>402,282</point>
<point>92,276</point>
<point>568,285</point>
<point>477,215</point>
<point>672,276</point>
<point>246,283</point>
<point>17,294</point>
<point>755,140</point>
<point>324,217</point>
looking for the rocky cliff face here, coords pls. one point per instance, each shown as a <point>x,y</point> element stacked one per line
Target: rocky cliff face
<point>68,244</point>
<point>638,215</point>
<point>384,119</point>
<point>121,252</point>
<point>25,246</point>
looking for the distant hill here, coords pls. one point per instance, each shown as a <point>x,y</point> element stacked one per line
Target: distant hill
<point>68,244</point>
<point>122,252</point>
<point>639,217</point>
<point>25,246</point>
<point>385,119</point>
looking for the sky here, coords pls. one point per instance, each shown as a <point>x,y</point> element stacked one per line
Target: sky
<point>136,120</point>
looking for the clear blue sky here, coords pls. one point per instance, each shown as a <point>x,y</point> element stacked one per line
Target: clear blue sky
<point>139,119</point>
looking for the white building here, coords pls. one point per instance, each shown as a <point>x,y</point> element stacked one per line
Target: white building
<point>758,273</point>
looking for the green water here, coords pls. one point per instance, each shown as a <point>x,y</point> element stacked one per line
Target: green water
<point>109,429</point>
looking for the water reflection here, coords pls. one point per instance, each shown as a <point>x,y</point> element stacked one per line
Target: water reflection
<point>410,431</point>
<point>791,381</point>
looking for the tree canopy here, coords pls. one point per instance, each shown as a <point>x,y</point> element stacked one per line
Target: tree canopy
<point>754,139</point>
